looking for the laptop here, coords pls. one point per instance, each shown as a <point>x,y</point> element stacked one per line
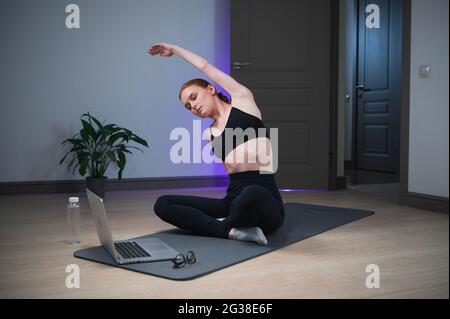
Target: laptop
<point>127,251</point>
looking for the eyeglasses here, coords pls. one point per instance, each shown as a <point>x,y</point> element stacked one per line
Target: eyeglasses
<point>180,260</point>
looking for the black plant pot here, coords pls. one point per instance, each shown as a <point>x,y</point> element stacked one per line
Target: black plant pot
<point>97,185</point>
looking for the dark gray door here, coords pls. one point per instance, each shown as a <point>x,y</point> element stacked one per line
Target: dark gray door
<point>284,50</point>
<point>378,88</point>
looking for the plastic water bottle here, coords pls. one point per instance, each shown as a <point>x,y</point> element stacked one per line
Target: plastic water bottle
<point>73,221</point>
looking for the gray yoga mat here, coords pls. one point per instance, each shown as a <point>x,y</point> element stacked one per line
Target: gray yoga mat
<point>301,221</point>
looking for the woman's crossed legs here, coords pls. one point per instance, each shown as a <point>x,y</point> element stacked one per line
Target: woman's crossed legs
<point>254,206</point>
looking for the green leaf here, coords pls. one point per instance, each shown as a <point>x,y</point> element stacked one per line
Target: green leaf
<point>76,148</point>
<point>98,133</point>
<point>71,162</point>
<point>75,167</point>
<point>99,125</point>
<point>60,162</point>
<point>83,166</point>
<point>67,140</point>
<point>89,130</point>
<point>74,141</point>
<point>139,140</point>
<point>97,155</point>
<point>135,148</point>
<point>115,137</point>
<point>110,128</point>
<point>129,133</point>
<point>122,160</point>
<point>84,135</point>
<point>111,156</point>
<point>121,164</point>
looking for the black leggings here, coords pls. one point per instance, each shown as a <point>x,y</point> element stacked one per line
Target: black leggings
<point>252,199</point>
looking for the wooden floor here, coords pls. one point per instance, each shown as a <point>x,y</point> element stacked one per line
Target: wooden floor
<point>409,245</point>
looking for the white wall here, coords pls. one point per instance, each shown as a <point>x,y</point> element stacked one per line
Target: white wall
<point>429,102</point>
<point>51,75</point>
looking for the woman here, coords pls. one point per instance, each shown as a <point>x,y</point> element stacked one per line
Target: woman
<point>253,205</point>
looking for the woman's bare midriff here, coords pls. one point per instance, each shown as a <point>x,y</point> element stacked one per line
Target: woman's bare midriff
<point>253,155</point>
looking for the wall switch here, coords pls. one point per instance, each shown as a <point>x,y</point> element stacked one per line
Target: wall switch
<point>424,71</point>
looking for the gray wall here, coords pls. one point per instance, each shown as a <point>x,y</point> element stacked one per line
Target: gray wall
<point>50,75</point>
<point>429,103</point>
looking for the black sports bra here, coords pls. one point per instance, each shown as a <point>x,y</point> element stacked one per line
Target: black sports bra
<point>237,119</point>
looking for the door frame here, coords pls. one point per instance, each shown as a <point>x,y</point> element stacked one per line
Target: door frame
<point>354,95</point>
<point>334,94</point>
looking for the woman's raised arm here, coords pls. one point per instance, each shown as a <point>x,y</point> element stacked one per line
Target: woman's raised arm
<point>233,87</point>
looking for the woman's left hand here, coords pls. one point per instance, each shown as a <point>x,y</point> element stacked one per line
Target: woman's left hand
<point>163,49</point>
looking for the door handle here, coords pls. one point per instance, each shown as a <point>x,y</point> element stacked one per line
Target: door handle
<point>237,65</point>
<point>361,87</point>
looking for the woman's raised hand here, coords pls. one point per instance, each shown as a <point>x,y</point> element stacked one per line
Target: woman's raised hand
<point>163,49</point>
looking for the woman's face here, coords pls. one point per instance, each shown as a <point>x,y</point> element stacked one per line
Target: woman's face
<point>198,100</point>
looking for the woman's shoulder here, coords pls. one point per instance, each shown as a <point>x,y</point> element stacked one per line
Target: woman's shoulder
<point>246,103</point>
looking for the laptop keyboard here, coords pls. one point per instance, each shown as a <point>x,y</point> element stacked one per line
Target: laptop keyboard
<point>131,249</point>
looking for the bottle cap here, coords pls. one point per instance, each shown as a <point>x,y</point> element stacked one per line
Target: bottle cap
<point>73,199</point>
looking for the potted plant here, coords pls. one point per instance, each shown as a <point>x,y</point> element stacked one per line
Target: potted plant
<point>93,150</point>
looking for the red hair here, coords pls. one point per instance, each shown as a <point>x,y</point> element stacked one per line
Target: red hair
<point>204,84</point>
